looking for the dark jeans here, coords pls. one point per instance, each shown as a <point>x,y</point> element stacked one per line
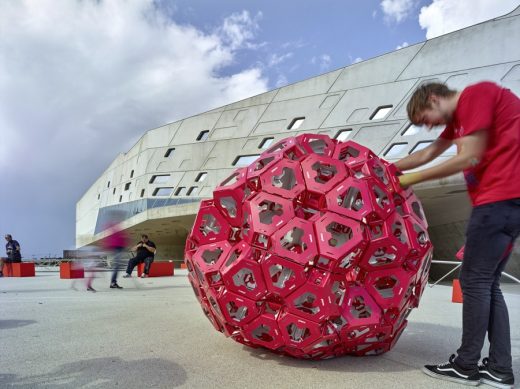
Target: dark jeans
<point>490,236</point>
<point>133,262</point>
<point>118,253</point>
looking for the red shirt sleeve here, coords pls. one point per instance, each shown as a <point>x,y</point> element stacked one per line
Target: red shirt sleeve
<point>448,133</point>
<point>476,106</point>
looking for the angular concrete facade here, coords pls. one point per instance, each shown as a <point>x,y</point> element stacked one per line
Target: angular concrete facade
<point>157,185</point>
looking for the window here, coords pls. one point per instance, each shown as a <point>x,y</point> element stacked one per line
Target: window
<point>265,143</point>
<point>203,136</point>
<point>132,174</point>
<point>108,185</point>
<point>343,135</point>
<point>412,129</point>
<point>181,190</point>
<point>98,196</point>
<point>244,160</point>
<point>201,177</point>
<point>192,191</point>
<point>420,146</point>
<point>169,152</point>
<point>396,150</point>
<point>142,192</point>
<point>160,179</point>
<point>114,191</point>
<point>120,198</point>
<point>127,185</point>
<point>162,191</point>
<point>381,112</point>
<point>296,123</point>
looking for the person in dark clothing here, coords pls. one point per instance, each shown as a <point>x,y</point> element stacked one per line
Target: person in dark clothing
<point>145,251</point>
<point>12,249</point>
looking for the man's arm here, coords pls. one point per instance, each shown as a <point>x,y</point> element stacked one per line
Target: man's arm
<point>472,148</point>
<point>422,157</point>
<point>150,248</point>
<point>136,247</point>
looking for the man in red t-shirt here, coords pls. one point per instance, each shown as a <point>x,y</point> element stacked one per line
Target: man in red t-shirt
<point>483,121</point>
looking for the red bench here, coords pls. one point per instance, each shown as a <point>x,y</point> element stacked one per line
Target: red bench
<point>19,269</point>
<point>71,270</point>
<point>157,269</point>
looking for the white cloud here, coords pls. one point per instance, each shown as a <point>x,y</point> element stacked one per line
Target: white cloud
<point>239,29</point>
<point>402,45</point>
<point>82,80</point>
<point>323,61</point>
<point>397,10</point>
<point>444,16</point>
<point>276,59</point>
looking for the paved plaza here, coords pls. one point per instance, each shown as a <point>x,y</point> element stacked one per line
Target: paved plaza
<point>153,334</point>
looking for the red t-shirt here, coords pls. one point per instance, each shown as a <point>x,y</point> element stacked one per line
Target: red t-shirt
<point>487,106</point>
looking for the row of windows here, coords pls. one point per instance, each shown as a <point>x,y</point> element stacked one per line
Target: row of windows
<point>397,150</point>
<point>162,179</point>
<point>180,191</point>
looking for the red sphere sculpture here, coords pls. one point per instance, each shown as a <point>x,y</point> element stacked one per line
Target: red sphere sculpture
<point>314,251</point>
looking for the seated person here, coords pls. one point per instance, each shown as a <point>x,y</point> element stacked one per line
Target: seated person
<point>145,251</point>
<point>12,249</point>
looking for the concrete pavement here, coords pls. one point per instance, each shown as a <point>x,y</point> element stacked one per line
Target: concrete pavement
<point>153,334</point>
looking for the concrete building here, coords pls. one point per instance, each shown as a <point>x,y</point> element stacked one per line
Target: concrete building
<point>157,185</point>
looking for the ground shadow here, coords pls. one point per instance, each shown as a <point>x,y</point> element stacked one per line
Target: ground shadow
<point>104,373</point>
<point>420,343</point>
<point>6,324</point>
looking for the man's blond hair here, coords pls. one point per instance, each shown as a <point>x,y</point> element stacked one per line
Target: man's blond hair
<point>420,99</point>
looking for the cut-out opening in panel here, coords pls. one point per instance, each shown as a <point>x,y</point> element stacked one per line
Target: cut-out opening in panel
<point>108,184</point>
<point>192,191</point>
<point>265,143</point>
<point>396,150</point>
<point>180,191</point>
<point>245,160</point>
<point>159,179</point>
<point>411,129</point>
<point>127,185</point>
<point>165,191</point>
<point>120,198</point>
<point>98,196</point>
<point>132,174</point>
<point>142,192</point>
<point>296,123</point>
<point>381,112</point>
<point>203,135</point>
<point>114,191</point>
<point>421,145</point>
<point>201,177</point>
<point>169,153</point>
<point>343,135</point>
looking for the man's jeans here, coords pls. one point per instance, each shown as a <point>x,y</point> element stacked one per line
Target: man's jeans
<point>133,262</point>
<point>118,254</point>
<point>490,236</point>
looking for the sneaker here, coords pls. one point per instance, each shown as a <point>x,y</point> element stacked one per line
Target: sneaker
<point>144,275</point>
<point>126,275</point>
<point>449,371</point>
<point>114,285</point>
<point>495,378</point>
<point>90,289</point>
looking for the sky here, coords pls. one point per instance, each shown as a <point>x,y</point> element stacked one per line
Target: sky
<point>82,81</point>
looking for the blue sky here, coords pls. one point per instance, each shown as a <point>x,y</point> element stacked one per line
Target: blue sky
<point>81,81</point>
